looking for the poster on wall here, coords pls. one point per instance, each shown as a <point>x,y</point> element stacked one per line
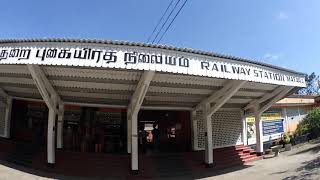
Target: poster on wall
<point>272,127</point>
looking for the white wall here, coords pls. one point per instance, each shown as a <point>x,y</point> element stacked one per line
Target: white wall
<point>294,115</point>
<point>227,129</point>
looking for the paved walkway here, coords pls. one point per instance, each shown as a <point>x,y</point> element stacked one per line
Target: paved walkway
<point>300,163</point>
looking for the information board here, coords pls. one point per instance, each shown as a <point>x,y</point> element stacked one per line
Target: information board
<point>272,127</point>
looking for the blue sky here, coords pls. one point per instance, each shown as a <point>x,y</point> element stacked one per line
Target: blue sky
<point>280,32</point>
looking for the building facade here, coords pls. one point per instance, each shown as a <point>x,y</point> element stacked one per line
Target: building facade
<point>283,116</point>
<point>106,96</point>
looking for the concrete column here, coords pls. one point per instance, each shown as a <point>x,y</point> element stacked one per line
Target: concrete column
<point>244,129</point>
<point>51,137</point>
<point>134,145</point>
<point>8,117</point>
<point>194,130</point>
<point>60,127</point>
<point>208,136</point>
<point>129,131</point>
<point>259,135</point>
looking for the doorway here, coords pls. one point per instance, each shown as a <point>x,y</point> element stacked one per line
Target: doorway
<point>99,130</point>
<point>174,130</point>
<point>29,122</point>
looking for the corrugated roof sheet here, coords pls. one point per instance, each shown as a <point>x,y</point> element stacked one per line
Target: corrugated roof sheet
<point>138,44</point>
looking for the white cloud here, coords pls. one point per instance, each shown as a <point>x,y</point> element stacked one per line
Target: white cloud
<point>282,15</point>
<point>275,59</point>
<point>271,56</point>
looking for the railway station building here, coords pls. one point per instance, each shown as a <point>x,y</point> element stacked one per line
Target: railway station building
<point>63,98</point>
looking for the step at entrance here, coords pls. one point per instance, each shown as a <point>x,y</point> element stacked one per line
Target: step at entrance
<point>234,156</point>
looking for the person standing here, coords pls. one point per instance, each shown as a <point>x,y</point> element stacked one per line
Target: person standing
<point>143,134</point>
<point>69,144</point>
<point>98,139</point>
<point>155,137</point>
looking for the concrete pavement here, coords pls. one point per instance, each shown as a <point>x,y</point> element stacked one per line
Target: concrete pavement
<point>300,163</point>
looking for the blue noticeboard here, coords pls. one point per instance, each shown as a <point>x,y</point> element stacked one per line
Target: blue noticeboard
<point>272,127</point>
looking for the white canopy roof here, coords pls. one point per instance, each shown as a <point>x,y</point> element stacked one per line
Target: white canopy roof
<point>183,79</point>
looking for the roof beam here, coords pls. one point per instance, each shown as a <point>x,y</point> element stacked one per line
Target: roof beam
<point>275,99</point>
<point>45,88</point>
<point>132,116</point>
<point>5,96</point>
<point>216,95</point>
<point>140,92</point>
<point>115,106</point>
<point>3,93</point>
<point>265,97</point>
<point>226,96</point>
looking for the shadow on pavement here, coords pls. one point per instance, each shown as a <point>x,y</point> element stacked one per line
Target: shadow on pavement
<point>306,171</point>
<point>204,173</point>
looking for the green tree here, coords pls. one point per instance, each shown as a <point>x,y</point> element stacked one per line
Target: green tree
<point>312,85</point>
<point>310,124</point>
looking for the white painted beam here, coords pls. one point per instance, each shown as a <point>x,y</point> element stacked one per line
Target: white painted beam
<point>134,142</point>
<point>208,136</point>
<point>7,104</point>
<point>275,99</point>
<point>48,85</point>
<point>265,97</point>
<point>60,126</point>
<point>226,96</point>
<point>51,98</point>
<point>5,96</point>
<point>38,75</point>
<point>216,95</point>
<point>244,128</point>
<point>141,90</point>
<point>132,115</point>
<point>173,108</point>
<point>219,98</point>
<point>51,137</point>
<point>194,130</point>
<point>259,133</point>
<point>41,86</point>
<point>7,117</point>
<point>3,93</point>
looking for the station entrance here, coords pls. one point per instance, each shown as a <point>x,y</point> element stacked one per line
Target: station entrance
<point>102,130</point>
<point>29,121</point>
<point>164,131</point>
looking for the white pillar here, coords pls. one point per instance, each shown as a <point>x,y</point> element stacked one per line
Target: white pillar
<point>194,130</point>
<point>259,135</point>
<point>244,128</point>
<point>129,131</point>
<point>8,117</point>
<point>51,139</point>
<point>208,136</point>
<point>134,145</point>
<point>60,127</point>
